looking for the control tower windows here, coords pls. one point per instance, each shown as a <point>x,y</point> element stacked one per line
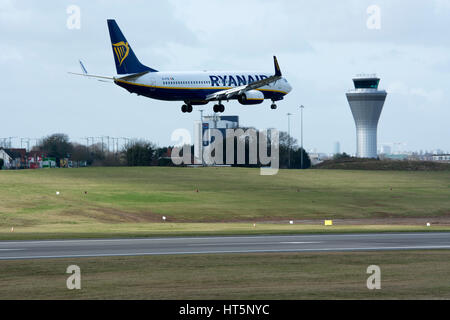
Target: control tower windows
<point>366,83</point>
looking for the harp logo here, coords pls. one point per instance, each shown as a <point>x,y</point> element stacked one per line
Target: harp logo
<point>121,50</point>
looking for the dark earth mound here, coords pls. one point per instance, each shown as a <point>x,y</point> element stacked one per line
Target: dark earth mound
<point>374,164</point>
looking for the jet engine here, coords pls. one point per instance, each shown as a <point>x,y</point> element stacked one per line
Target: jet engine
<point>251,97</point>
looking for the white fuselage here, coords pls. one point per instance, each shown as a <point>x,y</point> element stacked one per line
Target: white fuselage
<point>194,87</point>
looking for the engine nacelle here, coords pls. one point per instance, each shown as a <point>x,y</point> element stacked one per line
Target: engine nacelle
<point>251,97</point>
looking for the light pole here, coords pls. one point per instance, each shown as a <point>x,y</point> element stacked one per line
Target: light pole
<point>102,142</point>
<point>301,136</point>
<point>22,140</point>
<point>87,144</point>
<point>27,140</point>
<point>289,139</point>
<point>201,135</point>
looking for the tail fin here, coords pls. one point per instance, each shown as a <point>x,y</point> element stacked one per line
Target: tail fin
<point>277,67</point>
<point>126,60</point>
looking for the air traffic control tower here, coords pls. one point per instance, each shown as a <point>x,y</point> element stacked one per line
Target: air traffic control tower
<point>366,103</point>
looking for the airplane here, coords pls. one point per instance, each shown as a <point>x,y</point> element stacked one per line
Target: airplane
<point>192,88</point>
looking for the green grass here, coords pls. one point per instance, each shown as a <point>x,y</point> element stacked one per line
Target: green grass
<point>131,201</point>
<point>404,275</point>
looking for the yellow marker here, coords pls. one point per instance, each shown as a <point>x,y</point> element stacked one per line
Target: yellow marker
<point>328,222</point>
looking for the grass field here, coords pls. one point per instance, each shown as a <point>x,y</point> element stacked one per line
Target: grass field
<point>404,275</point>
<point>131,201</point>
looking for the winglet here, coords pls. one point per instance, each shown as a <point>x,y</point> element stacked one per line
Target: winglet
<point>277,67</point>
<point>82,67</point>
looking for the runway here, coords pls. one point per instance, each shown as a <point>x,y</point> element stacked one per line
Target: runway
<point>13,250</point>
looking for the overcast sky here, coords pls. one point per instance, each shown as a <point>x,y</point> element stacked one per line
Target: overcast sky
<point>320,45</point>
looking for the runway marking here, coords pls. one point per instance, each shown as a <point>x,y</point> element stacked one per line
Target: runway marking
<point>247,243</point>
<point>301,242</point>
<point>12,249</point>
<point>223,252</point>
<point>233,237</point>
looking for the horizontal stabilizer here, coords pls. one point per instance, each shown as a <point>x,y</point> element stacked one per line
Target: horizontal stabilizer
<point>99,78</point>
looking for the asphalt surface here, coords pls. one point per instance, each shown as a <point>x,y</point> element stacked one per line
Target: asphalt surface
<point>10,250</point>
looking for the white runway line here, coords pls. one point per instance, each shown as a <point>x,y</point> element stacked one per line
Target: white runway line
<point>226,251</point>
<point>292,242</point>
<point>247,243</point>
<point>227,244</point>
<point>226,237</point>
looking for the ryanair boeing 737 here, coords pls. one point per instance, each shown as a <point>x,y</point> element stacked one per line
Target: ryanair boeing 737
<point>193,88</point>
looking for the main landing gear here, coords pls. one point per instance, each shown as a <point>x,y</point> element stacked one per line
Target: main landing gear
<point>274,106</point>
<point>186,108</point>
<point>219,108</point>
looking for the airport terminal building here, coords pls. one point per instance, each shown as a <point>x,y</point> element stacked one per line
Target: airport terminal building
<point>202,135</point>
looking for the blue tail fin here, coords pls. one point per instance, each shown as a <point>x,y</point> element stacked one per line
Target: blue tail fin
<point>126,60</point>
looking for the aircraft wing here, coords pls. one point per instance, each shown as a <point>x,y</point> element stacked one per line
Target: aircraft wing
<point>230,93</point>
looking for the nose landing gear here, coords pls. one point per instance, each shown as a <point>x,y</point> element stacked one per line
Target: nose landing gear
<point>273,106</point>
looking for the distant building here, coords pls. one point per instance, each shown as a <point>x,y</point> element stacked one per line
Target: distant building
<point>5,156</point>
<point>13,158</point>
<point>441,158</point>
<point>222,123</point>
<point>337,148</point>
<point>35,159</point>
<point>202,135</point>
<point>317,158</point>
<point>396,156</point>
<point>386,149</point>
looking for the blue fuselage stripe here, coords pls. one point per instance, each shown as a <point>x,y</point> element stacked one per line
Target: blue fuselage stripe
<point>184,94</point>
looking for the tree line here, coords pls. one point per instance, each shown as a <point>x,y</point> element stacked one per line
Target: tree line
<point>144,153</point>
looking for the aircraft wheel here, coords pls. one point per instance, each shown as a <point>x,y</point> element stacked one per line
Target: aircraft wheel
<point>189,108</point>
<point>273,106</point>
<point>221,108</point>
<point>216,108</point>
<point>184,108</point>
